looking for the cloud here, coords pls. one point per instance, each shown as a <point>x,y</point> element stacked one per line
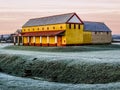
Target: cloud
<point>59,5</point>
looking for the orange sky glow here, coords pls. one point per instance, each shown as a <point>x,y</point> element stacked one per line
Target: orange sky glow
<point>14,13</point>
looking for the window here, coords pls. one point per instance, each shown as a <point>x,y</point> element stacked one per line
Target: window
<point>38,29</point>
<point>74,26</point>
<point>42,28</point>
<point>24,29</point>
<point>69,26</point>
<point>33,29</point>
<point>47,28</point>
<point>61,27</point>
<point>107,33</point>
<point>53,27</point>
<point>79,26</point>
<point>95,32</point>
<point>28,29</point>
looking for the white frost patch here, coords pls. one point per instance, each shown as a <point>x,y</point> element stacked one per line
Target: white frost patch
<point>8,82</point>
<point>110,56</point>
<point>2,45</point>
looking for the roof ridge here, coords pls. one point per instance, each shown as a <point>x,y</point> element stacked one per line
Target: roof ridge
<point>93,22</point>
<point>52,16</point>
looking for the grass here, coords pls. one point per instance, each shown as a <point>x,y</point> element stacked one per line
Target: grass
<point>61,70</point>
<point>66,49</point>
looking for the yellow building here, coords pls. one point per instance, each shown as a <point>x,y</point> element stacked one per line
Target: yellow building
<point>59,30</point>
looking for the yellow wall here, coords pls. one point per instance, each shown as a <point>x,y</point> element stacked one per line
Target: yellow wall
<point>74,36</point>
<point>44,40</point>
<point>51,28</point>
<point>52,40</point>
<point>64,40</point>
<point>32,40</point>
<point>25,40</point>
<point>87,37</point>
<point>71,36</point>
<point>37,40</point>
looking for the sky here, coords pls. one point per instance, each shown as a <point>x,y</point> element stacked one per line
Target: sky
<point>14,13</point>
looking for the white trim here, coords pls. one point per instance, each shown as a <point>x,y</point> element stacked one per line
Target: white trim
<point>55,39</point>
<point>48,39</point>
<point>33,39</point>
<point>40,39</point>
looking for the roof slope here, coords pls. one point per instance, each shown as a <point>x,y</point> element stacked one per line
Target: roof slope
<point>44,33</point>
<point>95,26</point>
<point>49,20</point>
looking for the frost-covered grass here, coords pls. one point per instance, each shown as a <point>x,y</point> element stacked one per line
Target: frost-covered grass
<point>8,82</point>
<point>61,70</point>
<point>2,45</point>
<point>67,49</point>
<point>63,64</point>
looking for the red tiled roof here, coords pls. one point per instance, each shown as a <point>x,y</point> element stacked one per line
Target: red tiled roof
<point>43,33</point>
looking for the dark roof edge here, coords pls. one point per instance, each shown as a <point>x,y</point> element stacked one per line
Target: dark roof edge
<point>96,31</point>
<point>77,17</point>
<point>94,22</point>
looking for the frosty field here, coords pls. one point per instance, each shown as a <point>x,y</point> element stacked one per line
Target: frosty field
<point>96,54</point>
<point>95,65</point>
<point>8,82</point>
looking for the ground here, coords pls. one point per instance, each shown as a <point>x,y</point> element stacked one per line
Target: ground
<point>8,82</point>
<point>92,56</point>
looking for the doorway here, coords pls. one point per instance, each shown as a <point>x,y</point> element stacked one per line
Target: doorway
<point>59,41</point>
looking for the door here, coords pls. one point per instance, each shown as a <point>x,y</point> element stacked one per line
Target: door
<point>59,41</point>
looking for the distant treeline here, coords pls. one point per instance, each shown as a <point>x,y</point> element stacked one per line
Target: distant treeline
<point>6,38</point>
<point>115,38</point>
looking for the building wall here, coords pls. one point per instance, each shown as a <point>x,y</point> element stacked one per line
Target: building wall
<point>37,40</point>
<point>101,37</point>
<point>44,40</point>
<point>44,28</point>
<point>64,40</point>
<point>31,41</point>
<point>52,40</point>
<point>74,35</point>
<point>25,40</point>
<point>87,37</point>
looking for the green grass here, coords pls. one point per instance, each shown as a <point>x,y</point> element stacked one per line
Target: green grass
<point>61,70</point>
<point>66,49</point>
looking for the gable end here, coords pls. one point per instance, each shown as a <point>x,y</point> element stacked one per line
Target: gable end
<point>75,19</point>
